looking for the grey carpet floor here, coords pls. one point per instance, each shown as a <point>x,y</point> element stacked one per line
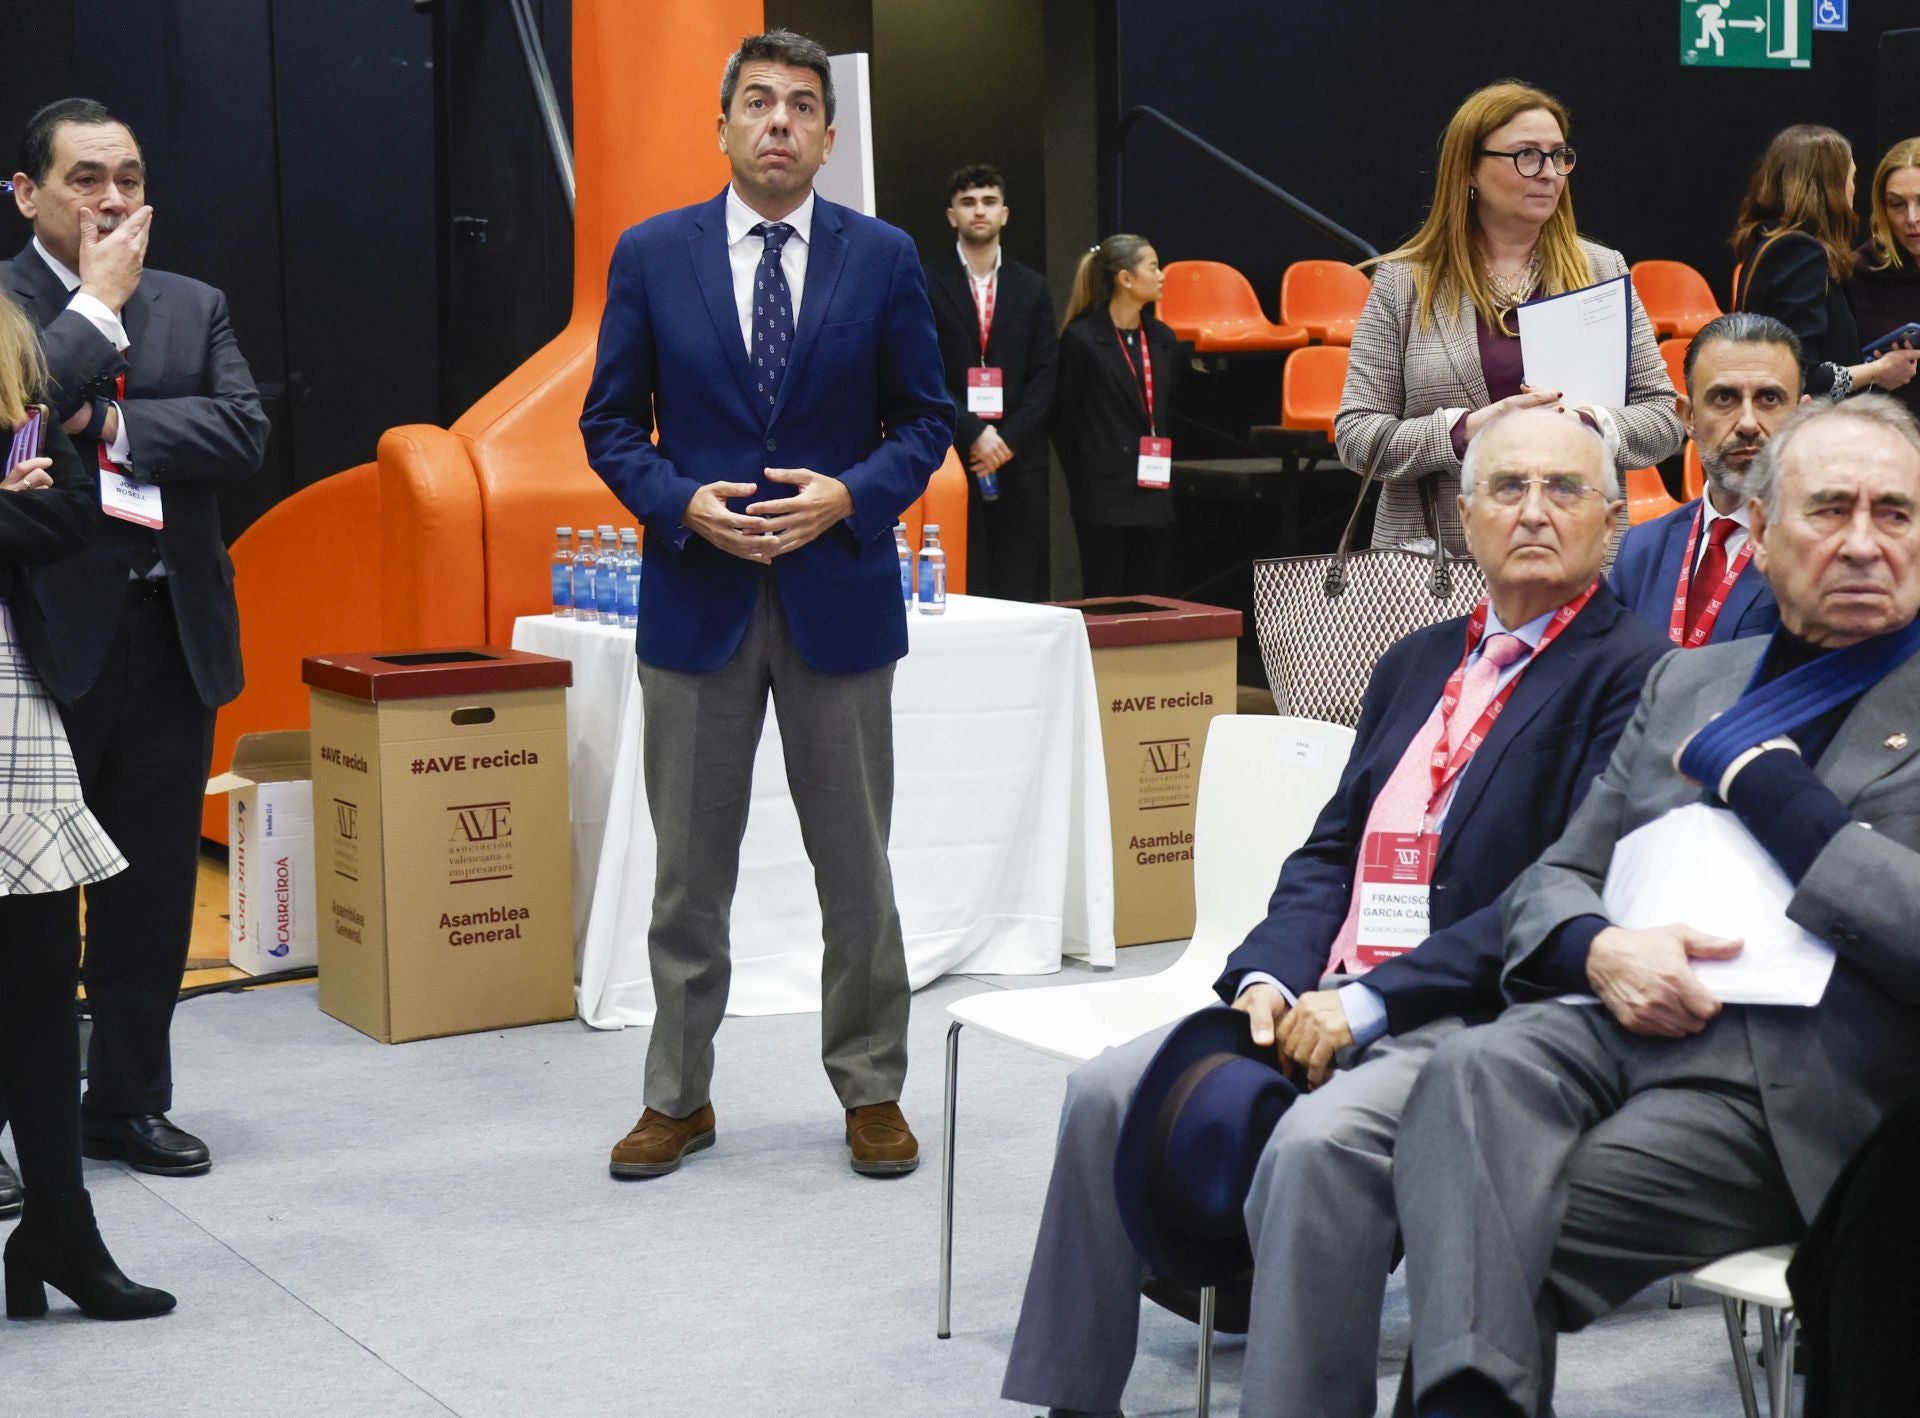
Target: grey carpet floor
<point>429,1229</point>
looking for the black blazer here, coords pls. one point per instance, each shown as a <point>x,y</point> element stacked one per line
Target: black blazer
<point>193,420</point>
<point>1022,346</point>
<point>1788,280</point>
<point>1098,422</point>
<point>1550,742</point>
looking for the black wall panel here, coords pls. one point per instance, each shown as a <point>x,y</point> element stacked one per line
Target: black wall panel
<point>1344,105</point>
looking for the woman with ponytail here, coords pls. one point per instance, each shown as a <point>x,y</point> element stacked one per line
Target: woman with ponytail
<point>1118,372</point>
<point>49,846</point>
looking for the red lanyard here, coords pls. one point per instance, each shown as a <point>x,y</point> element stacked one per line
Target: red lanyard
<point>1702,628</point>
<point>120,395</point>
<point>1445,770</point>
<point>1146,363</point>
<point>984,308</point>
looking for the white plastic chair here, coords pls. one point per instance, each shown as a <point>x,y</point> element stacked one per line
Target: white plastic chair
<point>1758,1278</point>
<point>1263,782</point>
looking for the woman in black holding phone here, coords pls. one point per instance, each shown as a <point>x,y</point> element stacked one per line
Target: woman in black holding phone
<point>1885,289</point>
<point>1794,242</point>
<point>1118,369</point>
<point>49,846</point>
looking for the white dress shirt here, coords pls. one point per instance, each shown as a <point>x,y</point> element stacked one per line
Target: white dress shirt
<point>744,250</point>
<point>103,320</point>
<point>1366,1011</point>
<point>983,286</point>
<point>1742,521</point>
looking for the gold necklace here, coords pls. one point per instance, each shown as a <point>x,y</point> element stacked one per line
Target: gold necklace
<point>1512,294</point>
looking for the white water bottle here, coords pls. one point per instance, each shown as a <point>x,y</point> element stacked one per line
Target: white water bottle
<point>563,573</point>
<point>629,598</point>
<point>584,564</point>
<point>906,563</point>
<point>933,573</point>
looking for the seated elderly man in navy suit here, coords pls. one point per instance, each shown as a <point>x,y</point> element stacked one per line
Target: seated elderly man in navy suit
<point>1467,764</point>
<point>1688,573</point>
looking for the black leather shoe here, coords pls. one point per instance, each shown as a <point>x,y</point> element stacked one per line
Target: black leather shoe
<point>146,1143</point>
<point>9,1190</point>
<point>57,1243</point>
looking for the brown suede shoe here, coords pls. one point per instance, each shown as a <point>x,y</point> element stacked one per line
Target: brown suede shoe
<point>658,1142</point>
<point>883,1145</point>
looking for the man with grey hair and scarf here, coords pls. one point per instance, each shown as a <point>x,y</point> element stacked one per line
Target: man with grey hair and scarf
<point>1556,1162</point>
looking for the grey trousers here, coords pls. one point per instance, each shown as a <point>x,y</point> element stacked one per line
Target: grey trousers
<point>1320,1216</point>
<point>697,749</point>
<point>1553,1164</point>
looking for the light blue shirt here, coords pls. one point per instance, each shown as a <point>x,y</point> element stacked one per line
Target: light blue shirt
<point>1366,1011</point>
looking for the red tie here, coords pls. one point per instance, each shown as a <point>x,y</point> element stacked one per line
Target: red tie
<point>1713,570</point>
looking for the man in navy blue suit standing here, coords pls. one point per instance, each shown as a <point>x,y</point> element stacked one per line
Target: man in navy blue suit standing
<point>782,349</point>
<point>1688,573</point>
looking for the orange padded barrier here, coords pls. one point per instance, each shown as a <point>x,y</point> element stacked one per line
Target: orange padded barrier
<point>1324,298</point>
<point>1213,305</point>
<point>1677,298</point>
<point>1311,382</point>
<point>1646,496</point>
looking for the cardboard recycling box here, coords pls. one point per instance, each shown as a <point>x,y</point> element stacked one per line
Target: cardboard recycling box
<point>270,887</point>
<point>1163,668</point>
<point>444,852</point>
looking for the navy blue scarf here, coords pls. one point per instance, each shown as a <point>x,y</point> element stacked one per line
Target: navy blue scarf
<point>1802,694</point>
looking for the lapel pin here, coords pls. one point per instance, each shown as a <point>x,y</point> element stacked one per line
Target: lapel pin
<point>1896,741</point>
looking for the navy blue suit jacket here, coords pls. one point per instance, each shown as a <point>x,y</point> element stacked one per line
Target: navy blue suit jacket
<point>1647,573</point>
<point>863,400</point>
<point>1549,743</point>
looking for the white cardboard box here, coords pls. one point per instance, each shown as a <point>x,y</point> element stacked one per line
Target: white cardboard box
<point>271,909</point>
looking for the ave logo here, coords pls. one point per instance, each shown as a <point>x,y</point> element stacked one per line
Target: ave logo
<point>482,822</point>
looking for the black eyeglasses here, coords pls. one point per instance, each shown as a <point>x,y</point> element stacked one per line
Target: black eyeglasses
<point>1528,162</point>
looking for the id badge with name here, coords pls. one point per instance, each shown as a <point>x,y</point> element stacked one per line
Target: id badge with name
<point>1396,875</point>
<point>986,394</point>
<point>1156,462</point>
<point>130,501</point>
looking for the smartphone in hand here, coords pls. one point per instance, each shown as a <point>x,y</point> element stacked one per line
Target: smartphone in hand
<point>27,438</point>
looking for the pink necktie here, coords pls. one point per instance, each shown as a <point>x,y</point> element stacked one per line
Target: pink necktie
<point>1401,806</point>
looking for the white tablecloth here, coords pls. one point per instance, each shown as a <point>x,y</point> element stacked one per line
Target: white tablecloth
<point>1001,851</point>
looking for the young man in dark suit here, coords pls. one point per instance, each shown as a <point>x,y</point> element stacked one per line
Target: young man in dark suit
<point>997,340</point>
<point>782,347</point>
<point>1743,376</point>
<point>1475,760</point>
<point>138,637</point>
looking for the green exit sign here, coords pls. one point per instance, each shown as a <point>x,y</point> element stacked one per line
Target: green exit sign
<point>1747,34</point>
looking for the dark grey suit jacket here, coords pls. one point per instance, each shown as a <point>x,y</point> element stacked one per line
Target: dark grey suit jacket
<point>1827,1074</point>
<point>193,420</point>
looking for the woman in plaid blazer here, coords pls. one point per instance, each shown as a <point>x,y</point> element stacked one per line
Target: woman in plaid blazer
<point>1436,352</point>
<point>50,845</point>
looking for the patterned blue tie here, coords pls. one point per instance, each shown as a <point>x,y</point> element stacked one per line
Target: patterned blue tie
<point>772,313</point>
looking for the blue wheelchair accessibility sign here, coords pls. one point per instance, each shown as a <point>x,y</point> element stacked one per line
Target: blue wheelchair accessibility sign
<point>1829,14</point>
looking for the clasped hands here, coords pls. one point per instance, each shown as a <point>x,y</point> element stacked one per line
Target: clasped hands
<point>771,528</point>
<point>1306,1036</point>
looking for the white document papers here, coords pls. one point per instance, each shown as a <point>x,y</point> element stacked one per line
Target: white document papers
<point>1576,344</point>
<point>1698,866</point>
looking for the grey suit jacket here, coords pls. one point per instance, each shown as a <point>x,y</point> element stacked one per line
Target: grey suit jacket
<point>1406,385</point>
<point>1829,1073</point>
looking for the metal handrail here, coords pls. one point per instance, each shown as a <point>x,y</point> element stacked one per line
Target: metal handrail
<point>543,94</point>
<point>1311,215</point>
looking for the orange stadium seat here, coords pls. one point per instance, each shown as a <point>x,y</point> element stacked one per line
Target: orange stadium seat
<point>1213,305</point>
<point>1674,352</point>
<point>1694,480</point>
<point>1646,496</point>
<point>1310,385</point>
<point>445,539</point>
<point>1677,298</point>
<point>1324,298</point>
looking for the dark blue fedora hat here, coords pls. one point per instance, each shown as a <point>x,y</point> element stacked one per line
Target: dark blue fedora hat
<point>1189,1143</point>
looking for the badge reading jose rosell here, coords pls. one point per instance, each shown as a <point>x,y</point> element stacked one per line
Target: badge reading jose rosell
<point>1156,462</point>
<point>986,394</point>
<point>130,501</point>
<point>1396,873</point>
